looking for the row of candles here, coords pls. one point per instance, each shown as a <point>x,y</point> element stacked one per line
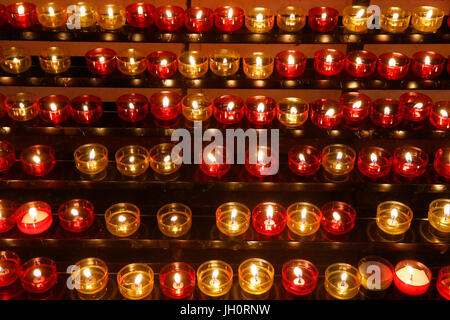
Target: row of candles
<point>214,278</point>
<point>232,218</point>
<point>225,62</point>
<point>352,109</point>
<point>51,15</point>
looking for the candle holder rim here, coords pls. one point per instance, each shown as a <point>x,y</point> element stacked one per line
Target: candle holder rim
<point>222,263</point>
<point>124,149</point>
<point>169,6</point>
<point>375,149</point>
<point>349,208</point>
<point>341,55</point>
<point>233,203</point>
<point>83,97</point>
<point>271,203</point>
<point>18,95</point>
<point>88,55</point>
<point>406,208</point>
<point>340,145</point>
<point>414,94</point>
<point>342,266</point>
<point>111,209</point>
<point>130,267</point>
<point>397,55</point>
<point>178,266</point>
<point>378,259</point>
<point>209,10</point>
<point>12,6</point>
<point>357,95</point>
<point>435,54</point>
<point>136,4</point>
<point>301,55</point>
<point>109,5</point>
<point>438,103</point>
<point>420,9</point>
<point>45,5</point>
<point>306,204</point>
<point>62,208</point>
<point>239,100</point>
<point>37,261</point>
<point>62,50</point>
<point>187,211</point>
<point>400,149</point>
<point>90,146</point>
<point>224,51</point>
<point>256,10</point>
<point>10,204</point>
<point>304,147</point>
<point>431,203</point>
<point>349,10</point>
<point>406,12</point>
<point>158,94</point>
<point>416,263</point>
<point>90,262</point>
<point>55,96</point>
<point>49,149</point>
<point>190,53</point>
<point>368,55</point>
<point>299,10</point>
<point>257,261</point>
<point>261,54</point>
<point>5,254</point>
<point>134,53</point>
<point>333,11</point>
<point>304,263</point>
<point>131,95</point>
<point>208,100</point>
<point>154,54</point>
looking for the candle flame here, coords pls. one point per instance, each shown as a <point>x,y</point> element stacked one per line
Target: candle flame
<point>344,277</point>
<point>358,60</point>
<point>138,279</point>
<point>230,106</point>
<point>260,107</point>
<point>408,157</point>
<point>444,113</point>
<point>254,270</point>
<point>177,278</point>
<point>166,158</point>
<point>259,17</point>
<point>211,158</point>
<point>269,212</point>
<point>302,158</point>
<point>233,214</point>
<point>82,10</point>
<point>427,60</point>
<point>131,105</point>
<point>357,104</point>
<point>392,62</point>
<point>394,214</point>
<point>85,107</point>
<point>330,112</point>
<point>324,15</point>
<point>260,156</point>
<point>36,159</point>
<point>291,59</point>
<point>52,106</point>
<point>92,155</point>
<point>360,13</point>
<point>110,12</point>
<point>298,272</point>
<point>15,60</point>
<point>387,110</point>
<point>51,11</point>
<point>293,110</point>
<point>169,14</point>
<point>215,274</point>
<point>336,216</point>
<point>329,58</point>
<point>395,16</point>
<point>174,219</point>
<point>74,212</point>
<point>102,59</point>
<point>339,156</point>
<point>122,219</point>
<point>37,273</point>
<point>163,63</point>
<point>224,61</point>
<point>140,10</point>
<point>303,214</point>
<point>230,13</point>
<point>373,158</point>
<point>195,105</point>
<point>191,60</point>
<point>132,61</point>
<point>199,14</point>
<point>21,9</point>
<point>258,61</point>
<point>132,159</point>
<point>292,16</point>
<point>165,102</point>
<point>447,210</point>
<point>21,105</point>
<point>33,213</point>
<point>87,273</point>
<point>410,271</point>
<point>429,14</point>
<point>418,105</point>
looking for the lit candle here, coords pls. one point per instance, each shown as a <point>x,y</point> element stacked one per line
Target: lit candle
<point>291,19</point>
<point>135,281</point>
<point>338,160</point>
<point>374,162</point>
<point>410,162</point>
<point>197,107</point>
<point>229,19</point>
<point>224,62</point>
<point>355,18</point>
<point>394,217</point>
<point>299,277</point>
<point>412,277</point>
<point>427,19</point>
<point>9,268</point>
<point>255,276</point>
<point>262,162</point>
<point>338,217</point>
<point>111,17</point>
<point>132,160</point>
<point>215,163</point>
<point>441,162</point>
<point>427,64</point>
<point>34,217</point>
<point>21,15</point>
<point>140,15</point>
<point>261,110</point>
<point>169,18</point>
<point>303,218</point>
<point>192,64</point>
<point>101,61</point>
<point>439,215</point>
<point>38,275</point>
<point>360,63</point>
<point>215,278</point>
<point>91,159</point>
<point>38,160</point>
<point>443,282</point>
<point>198,19</point>
<point>177,280</point>
<point>342,281</point>
<point>269,218</point>
<point>376,273</point>
<point>122,219</point>
<point>15,60</point>
<point>259,20</point>
<point>322,19</point>
<point>90,278</point>
<point>326,113</point>
<point>386,113</point>
<point>290,63</point>
<point>258,65</point>
<point>174,219</point>
<point>233,218</point>
<point>394,19</point>
<point>161,159</point>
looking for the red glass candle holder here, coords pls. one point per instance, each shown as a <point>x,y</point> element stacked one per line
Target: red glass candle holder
<point>7,156</point>
<point>323,19</point>
<point>9,268</point>
<point>38,275</point>
<point>355,106</point>
<point>410,162</point>
<point>264,162</point>
<point>443,282</point>
<point>393,65</point>
<point>386,113</point>
<point>304,160</point>
<point>76,215</point>
<point>38,160</point>
<point>329,62</point>
<point>326,113</point>
<point>269,218</point>
<point>260,110</point>
<point>2,106</point>
<point>54,108</point>
<point>198,19</point>
<point>338,217</point>
<point>360,63</point>
<point>374,162</point>
<point>290,63</point>
<point>416,105</point>
<point>132,107</point>
<point>439,115</point>
<point>3,15</point>
<point>140,15</point>
<point>101,61</point>
<point>228,19</point>
<point>34,217</point>
<point>7,216</point>
<point>22,14</point>
<point>216,162</point>
<point>412,277</point>
<point>169,18</point>
<point>165,105</point>
<point>86,109</point>
<point>177,280</point>
<point>427,64</point>
<point>162,64</point>
<point>299,276</point>
<point>228,109</point>
<point>442,162</point>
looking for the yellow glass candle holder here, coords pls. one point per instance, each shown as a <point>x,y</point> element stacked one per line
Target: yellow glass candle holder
<point>111,17</point>
<point>54,60</point>
<point>259,20</point>
<point>15,60</point>
<point>291,19</point>
<point>131,62</point>
<point>162,160</point>
<point>394,217</point>
<point>90,276</point>
<point>255,276</point>
<point>86,14</point>
<point>174,219</point>
<point>258,65</point>
<point>233,218</point>
<point>427,19</point>
<point>91,158</point>
<point>132,160</point>
<point>51,15</point>
<point>303,218</point>
<point>354,18</point>
<point>215,278</point>
<point>22,106</point>
<point>394,19</point>
<point>338,160</point>
<point>123,219</point>
<point>192,64</point>
<point>376,273</point>
<point>292,112</point>
<point>342,281</point>
<point>439,215</point>
<point>197,107</point>
<point>135,281</point>
<point>224,62</point>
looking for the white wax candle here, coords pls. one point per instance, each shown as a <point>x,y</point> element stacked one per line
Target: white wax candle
<point>35,217</point>
<point>413,276</point>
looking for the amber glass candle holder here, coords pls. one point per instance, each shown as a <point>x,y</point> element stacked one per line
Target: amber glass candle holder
<point>224,62</point>
<point>386,113</point>
<point>174,219</point>
<point>15,60</point>
<point>7,156</point>
<point>439,215</point>
<point>258,65</point>
<point>256,276</point>
<point>394,217</point>
<point>161,159</point>
<point>38,160</point>
<point>292,112</point>
<point>259,20</point>
<point>7,216</point>
<point>192,64</point>
<point>376,273</point>
<point>355,107</point>
<point>215,278</point>
<point>329,62</point>
<point>416,105</point>
<point>394,19</point>
<point>132,107</point>
<point>86,14</point>
<point>393,65</point>
<point>354,19</point>
<point>38,275</point>
<point>360,63</point>
<point>439,115</point>
<point>169,18</point>
<point>269,218</point>
<point>303,219</point>
<point>22,106</point>
<point>162,64</point>
<point>342,281</point>
<point>86,109</point>
<point>76,215</point>
<point>290,63</point>
<point>412,277</point>
<point>51,15</point>
<point>260,110</point>
<point>410,162</point>
<point>326,113</point>
<point>304,160</point>
<point>101,61</point>
<point>441,163</point>
<point>291,19</point>
<point>131,62</point>
<point>374,162</point>
<point>443,282</point>
<point>228,19</point>
<point>427,64</point>
<point>135,281</point>
<point>177,280</point>
<point>198,19</point>
<point>338,218</point>
<point>165,105</point>
<point>91,158</point>
<point>123,219</point>
<point>54,60</point>
<point>54,108</point>
<point>427,19</point>
<point>233,218</point>
<point>132,160</point>
<point>323,19</point>
<point>197,107</point>
<point>299,277</point>
<point>90,277</point>
<point>228,109</point>
<point>140,15</point>
<point>10,268</point>
<point>111,16</point>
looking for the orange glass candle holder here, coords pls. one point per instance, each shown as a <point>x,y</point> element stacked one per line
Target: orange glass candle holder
<point>259,20</point>
<point>174,219</point>
<point>132,160</point>
<point>38,160</point>
<point>162,161</point>
<point>338,218</point>
<point>224,62</point>
<point>76,215</point>
<point>299,276</point>
<point>34,217</point>
<point>215,278</point>
<point>177,280</point>
<point>7,156</point>
<point>91,158</point>
<point>410,162</point>
<point>192,64</point>
<point>131,62</point>
<point>393,65</point>
<point>303,218</point>
<point>412,277</point>
<point>394,217</point>
<point>135,281</point>
<point>329,62</point>
<point>291,19</point>
<point>256,276</point>
<point>54,108</point>
<point>54,60</point>
<point>427,19</point>
<point>9,268</point>
<point>376,273</point>
<point>123,219</point>
<point>38,275</point>
<point>338,160</point>
<point>22,106</point>
<point>427,64</point>
<point>394,19</point>
<point>51,15</point>
<point>233,218</point>
<point>354,19</point>
<point>228,19</point>
<point>15,60</point>
<point>269,218</point>
<point>292,112</point>
<point>86,14</point>
<point>111,16</point>
<point>258,65</point>
<point>197,107</point>
<point>90,277</point>
<point>7,216</point>
<point>439,215</point>
<point>342,281</point>
<point>140,15</point>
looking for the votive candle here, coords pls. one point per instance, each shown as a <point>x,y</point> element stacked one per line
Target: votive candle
<point>259,20</point>
<point>228,109</point>
<point>192,64</point>
<point>260,110</point>
<point>329,62</point>
<point>441,162</point>
<point>86,109</point>
<point>258,65</point>
<point>174,219</point>
<point>326,113</point>
<point>443,282</point>
<point>292,112</point>
<point>101,61</point>
<point>439,215</point>
<point>256,276</point>
<point>22,106</point>
<point>111,16</point>
<point>15,60</point>
<point>342,281</point>
<point>76,215</point>
<point>374,162</point>
<point>135,281</point>
<point>162,64</point>
<point>394,217</point>
<point>90,277</point>
<point>132,160</point>
<point>290,63</point>
<point>54,108</point>
<point>123,219</point>
<point>86,14</point>
<point>261,162</point>
<point>427,64</point>
<point>165,105</point>
<point>303,218</point>
<point>51,15</point>
<point>338,218</point>
<point>354,18</point>
<point>299,276</point>
<point>304,160</point>
<point>376,273</point>
<point>410,162</point>
<point>360,63</point>
<point>22,15</point>
<point>9,268</point>
<point>269,218</point>
<point>38,275</point>
<point>215,278</point>
<point>38,160</point>
<point>228,19</point>
<point>439,115</point>
<point>177,280</point>
<point>91,158</point>
<point>140,15</point>
<point>8,218</point>
<point>386,113</point>
<point>412,277</point>
<point>291,19</point>
<point>197,107</point>
<point>131,62</point>
<point>355,107</point>
<point>215,163</point>
<point>198,19</point>
<point>394,19</point>
<point>132,107</point>
<point>224,62</point>
<point>34,217</point>
<point>162,160</point>
<point>7,156</point>
<point>416,105</point>
<point>393,65</point>
<point>322,19</point>
<point>233,218</point>
<point>427,19</point>
<point>169,18</point>
<point>54,60</point>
